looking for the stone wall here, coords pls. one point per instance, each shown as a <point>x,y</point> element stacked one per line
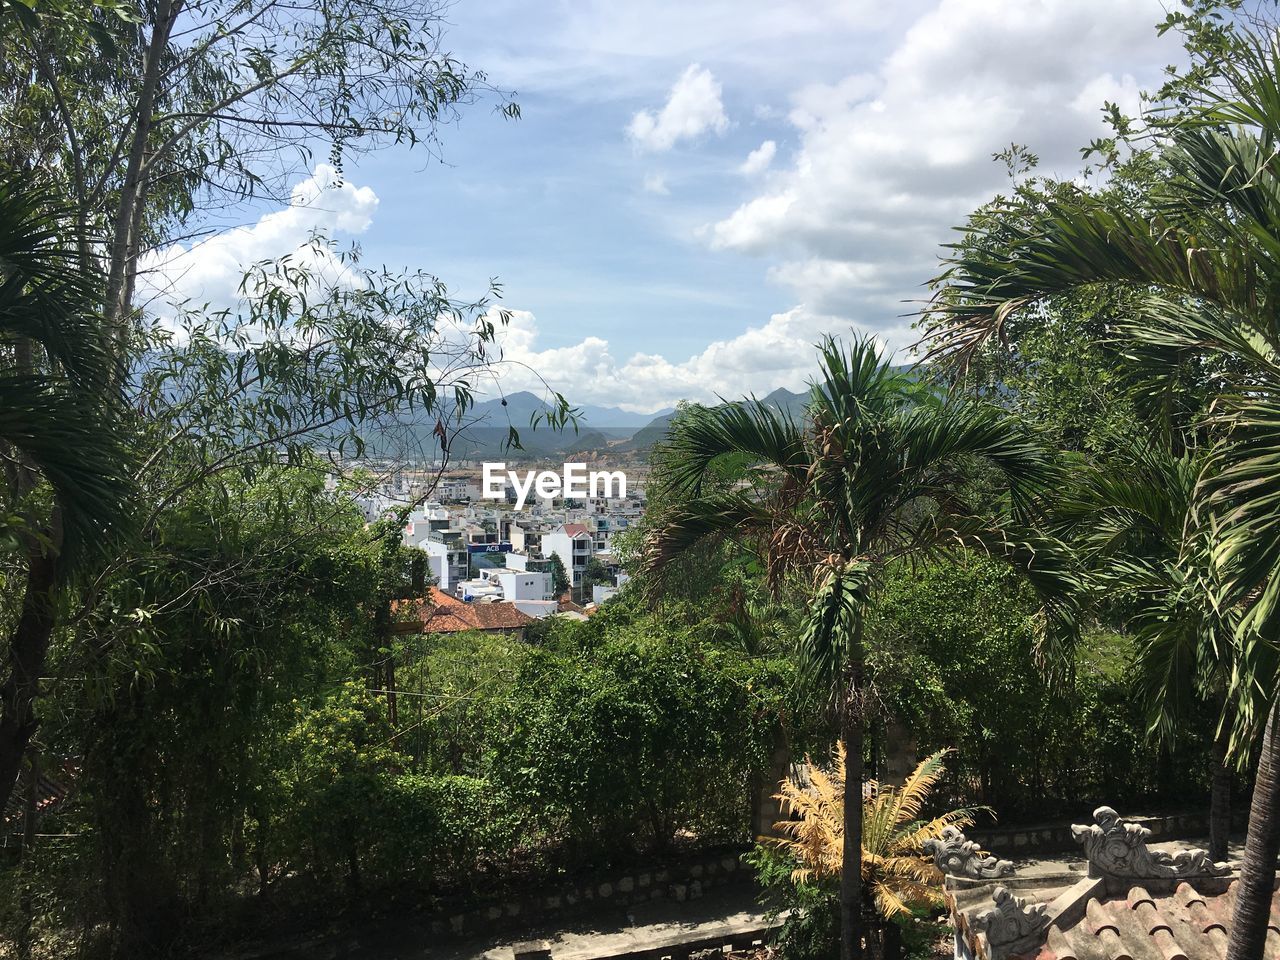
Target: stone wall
<point>1014,842</point>
<point>683,880</point>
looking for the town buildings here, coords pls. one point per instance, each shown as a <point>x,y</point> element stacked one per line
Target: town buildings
<point>484,552</point>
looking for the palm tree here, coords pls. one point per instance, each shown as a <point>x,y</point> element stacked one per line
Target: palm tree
<point>1133,523</point>
<point>885,470</point>
<point>1201,259</point>
<point>59,433</point>
<point>894,871</point>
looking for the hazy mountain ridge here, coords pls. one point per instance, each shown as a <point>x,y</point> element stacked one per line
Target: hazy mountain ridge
<point>484,429</point>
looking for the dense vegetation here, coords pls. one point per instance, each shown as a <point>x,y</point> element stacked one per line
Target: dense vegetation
<point>1052,552</point>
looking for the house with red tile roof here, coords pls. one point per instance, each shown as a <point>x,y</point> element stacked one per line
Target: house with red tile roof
<point>440,613</point>
<point>1135,903</point>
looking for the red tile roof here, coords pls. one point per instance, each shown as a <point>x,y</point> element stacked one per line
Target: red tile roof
<point>440,613</point>
<point>1185,924</point>
<point>576,530</point>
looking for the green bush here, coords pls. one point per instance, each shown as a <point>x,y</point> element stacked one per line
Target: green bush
<point>810,911</point>
<point>638,739</point>
<point>441,830</point>
<point>954,655</point>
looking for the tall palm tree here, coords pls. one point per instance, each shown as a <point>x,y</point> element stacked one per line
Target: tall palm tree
<point>1146,551</point>
<point>1201,259</point>
<point>59,433</point>
<point>883,470</point>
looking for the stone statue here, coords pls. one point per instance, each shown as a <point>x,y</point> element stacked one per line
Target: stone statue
<point>1010,924</point>
<point>957,856</point>
<point>1116,848</point>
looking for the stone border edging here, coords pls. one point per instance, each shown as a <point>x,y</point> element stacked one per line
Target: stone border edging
<point>681,881</point>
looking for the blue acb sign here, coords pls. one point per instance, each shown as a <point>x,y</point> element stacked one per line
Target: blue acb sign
<point>503,547</point>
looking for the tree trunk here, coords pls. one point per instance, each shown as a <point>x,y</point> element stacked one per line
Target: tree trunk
<point>28,647</point>
<point>1257,875</point>
<point>122,252</point>
<point>1220,799</point>
<point>851,859</point>
<point>31,811</point>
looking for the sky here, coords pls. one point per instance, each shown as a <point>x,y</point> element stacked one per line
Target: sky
<point>696,192</point>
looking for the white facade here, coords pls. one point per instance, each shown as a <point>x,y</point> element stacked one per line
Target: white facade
<point>573,545</point>
<point>524,585</point>
<point>448,562</point>
<point>510,585</point>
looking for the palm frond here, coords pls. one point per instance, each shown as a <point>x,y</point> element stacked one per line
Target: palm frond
<point>892,865</point>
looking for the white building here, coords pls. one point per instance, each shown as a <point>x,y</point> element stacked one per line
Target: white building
<point>506,584</point>
<point>574,545</point>
<point>524,585</point>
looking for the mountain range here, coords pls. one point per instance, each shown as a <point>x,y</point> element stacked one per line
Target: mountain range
<point>485,431</point>
<point>600,428</point>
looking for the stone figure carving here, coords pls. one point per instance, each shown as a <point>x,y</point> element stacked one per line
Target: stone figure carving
<point>1011,925</point>
<point>1117,848</point>
<point>957,856</point>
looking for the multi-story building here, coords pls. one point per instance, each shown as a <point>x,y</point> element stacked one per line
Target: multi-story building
<point>574,545</point>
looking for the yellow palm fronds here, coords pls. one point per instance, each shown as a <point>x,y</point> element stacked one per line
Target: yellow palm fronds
<point>894,871</point>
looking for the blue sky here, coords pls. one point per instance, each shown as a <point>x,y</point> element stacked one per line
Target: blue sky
<point>646,260</point>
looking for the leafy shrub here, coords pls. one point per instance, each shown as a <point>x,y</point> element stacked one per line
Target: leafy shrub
<point>644,736</point>
<point>810,929</point>
<point>953,657</point>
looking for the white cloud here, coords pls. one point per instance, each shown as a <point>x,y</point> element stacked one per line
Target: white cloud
<point>778,353</point>
<point>656,183</point>
<point>890,160</point>
<point>758,160</point>
<point>210,270</point>
<point>692,109</point>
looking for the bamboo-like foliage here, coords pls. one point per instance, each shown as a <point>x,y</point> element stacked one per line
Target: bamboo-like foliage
<point>60,410</point>
<point>894,872</point>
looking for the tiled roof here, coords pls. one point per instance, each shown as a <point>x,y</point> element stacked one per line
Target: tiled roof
<point>1184,923</point>
<point>576,530</point>
<point>1137,902</point>
<point>440,613</point>
<point>49,793</point>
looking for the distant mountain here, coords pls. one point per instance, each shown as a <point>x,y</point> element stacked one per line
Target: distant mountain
<point>487,423</point>
<point>655,431</point>
<point>612,417</point>
<point>784,400</point>
<point>519,407</point>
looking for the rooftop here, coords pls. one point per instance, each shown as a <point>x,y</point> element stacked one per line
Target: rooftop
<point>440,613</point>
<point>1136,903</point>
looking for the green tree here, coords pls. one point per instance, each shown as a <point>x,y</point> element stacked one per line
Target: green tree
<point>1148,553</point>
<point>251,598</point>
<point>66,482</point>
<point>594,573</point>
<point>148,115</point>
<point>559,578</point>
<point>1032,744</point>
<point>1203,270</point>
<point>145,117</point>
<point>875,477</point>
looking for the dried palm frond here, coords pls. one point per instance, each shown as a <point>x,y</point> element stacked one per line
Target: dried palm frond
<point>896,874</point>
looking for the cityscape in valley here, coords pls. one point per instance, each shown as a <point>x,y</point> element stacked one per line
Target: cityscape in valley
<point>547,556</point>
<point>663,480</point>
